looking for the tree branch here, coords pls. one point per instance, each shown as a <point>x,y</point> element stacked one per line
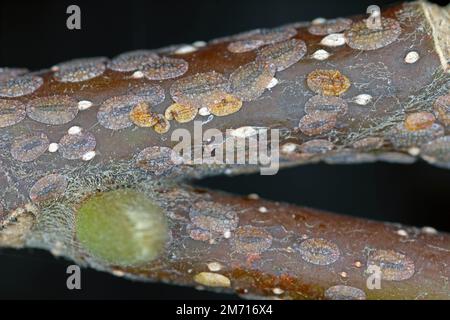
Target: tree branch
<point>339,91</point>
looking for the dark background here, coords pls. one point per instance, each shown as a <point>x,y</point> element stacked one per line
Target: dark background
<point>34,35</point>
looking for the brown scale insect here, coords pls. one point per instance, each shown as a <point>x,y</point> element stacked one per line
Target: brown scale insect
<point>229,105</point>
<point>114,112</point>
<point>394,266</point>
<point>11,112</point>
<point>318,146</point>
<point>151,93</point>
<point>342,292</point>
<point>200,90</point>
<point>199,234</point>
<point>181,113</point>
<point>79,70</point>
<point>271,36</point>
<point>326,104</point>
<point>328,82</point>
<point>419,121</point>
<point>54,110</point>
<point>48,187</point>
<point>401,137</point>
<point>74,146</point>
<point>131,61</point>
<point>142,116</point>
<point>165,68</point>
<point>157,160</point>
<point>283,54</point>
<point>317,123</point>
<point>369,143</point>
<point>216,220</point>
<point>248,82</point>
<point>20,86</point>
<point>330,26</point>
<point>319,251</point>
<point>28,148</point>
<point>442,109</point>
<point>251,240</point>
<point>360,37</point>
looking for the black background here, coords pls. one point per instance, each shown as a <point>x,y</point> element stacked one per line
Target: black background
<point>34,35</point>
